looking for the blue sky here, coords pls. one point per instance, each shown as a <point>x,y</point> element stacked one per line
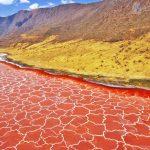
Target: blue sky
<point>8,7</point>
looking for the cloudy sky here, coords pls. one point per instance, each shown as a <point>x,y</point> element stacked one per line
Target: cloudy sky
<point>8,7</point>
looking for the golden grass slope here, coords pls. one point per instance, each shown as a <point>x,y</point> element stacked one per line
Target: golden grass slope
<point>125,59</point>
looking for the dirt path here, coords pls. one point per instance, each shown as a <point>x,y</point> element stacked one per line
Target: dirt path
<point>39,112</point>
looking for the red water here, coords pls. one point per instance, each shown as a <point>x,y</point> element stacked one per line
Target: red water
<point>42,112</point>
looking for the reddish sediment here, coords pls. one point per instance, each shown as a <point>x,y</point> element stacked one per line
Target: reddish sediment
<point>40,111</point>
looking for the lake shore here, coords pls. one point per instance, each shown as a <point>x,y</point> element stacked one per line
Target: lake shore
<point>99,80</point>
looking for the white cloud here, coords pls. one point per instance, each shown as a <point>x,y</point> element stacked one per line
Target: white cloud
<point>34,6</point>
<point>24,1</point>
<point>6,2</point>
<point>48,5</point>
<point>67,1</point>
<point>51,4</point>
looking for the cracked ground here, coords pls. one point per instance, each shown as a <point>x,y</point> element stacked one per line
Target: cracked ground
<point>40,112</point>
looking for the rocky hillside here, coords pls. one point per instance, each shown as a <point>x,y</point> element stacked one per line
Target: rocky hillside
<point>109,20</point>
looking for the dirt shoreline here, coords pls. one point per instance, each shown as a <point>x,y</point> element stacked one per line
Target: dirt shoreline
<point>99,80</point>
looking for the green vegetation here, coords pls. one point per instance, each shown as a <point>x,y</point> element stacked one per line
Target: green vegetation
<point>125,59</point>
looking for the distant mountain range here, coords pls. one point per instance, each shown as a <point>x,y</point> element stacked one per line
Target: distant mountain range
<point>109,20</point>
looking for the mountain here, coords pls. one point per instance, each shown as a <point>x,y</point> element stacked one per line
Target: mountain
<point>109,20</point>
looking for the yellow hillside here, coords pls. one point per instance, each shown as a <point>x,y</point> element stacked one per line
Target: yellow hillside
<point>126,59</point>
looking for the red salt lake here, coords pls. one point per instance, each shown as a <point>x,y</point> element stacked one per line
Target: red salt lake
<point>42,112</point>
